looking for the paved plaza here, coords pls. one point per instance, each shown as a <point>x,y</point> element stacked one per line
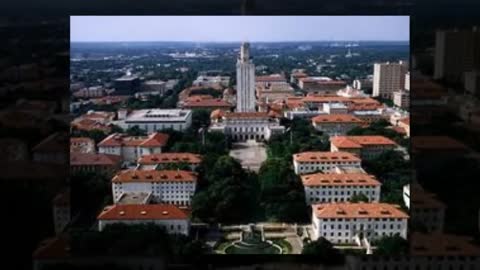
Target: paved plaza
<point>250,154</point>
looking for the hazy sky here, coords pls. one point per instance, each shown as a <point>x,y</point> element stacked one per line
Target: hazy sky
<point>238,28</point>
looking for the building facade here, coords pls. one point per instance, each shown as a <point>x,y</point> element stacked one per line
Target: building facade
<point>339,187</point>
<point>351,223</point>
<point>165,186</point>
<point>169,217</point>
<point>401,99</point>
<point>320,85</point>
<point>152,120</point>
<point>426,210</point>
<point>456,52</point>
<point>61,211</point>
<point>245,80</point>
<point>92,162</point>
<point>130,148</point>
<point>387,78</point>
<point>366,147</point>
<point>165,160</point>
<point>326,162</point>
<point>247,126</point>
<point>82,145</point>
<point>335,124</point>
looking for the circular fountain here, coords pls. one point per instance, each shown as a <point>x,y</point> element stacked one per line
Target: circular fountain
<point>252,241</point>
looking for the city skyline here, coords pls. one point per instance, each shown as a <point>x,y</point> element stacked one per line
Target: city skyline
<point>238,28</point>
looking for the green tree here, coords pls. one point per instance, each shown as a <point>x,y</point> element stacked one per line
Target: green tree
<point>229,194</point>
<point>282,195</point>
<point>136,131</point>
<point>391,246</point>
<point>360,197</point>
<point>324,251</point>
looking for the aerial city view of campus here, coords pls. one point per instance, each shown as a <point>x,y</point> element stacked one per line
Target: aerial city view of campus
<point>266,136</point>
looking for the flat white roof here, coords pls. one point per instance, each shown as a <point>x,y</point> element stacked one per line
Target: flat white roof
<point>158,115</point>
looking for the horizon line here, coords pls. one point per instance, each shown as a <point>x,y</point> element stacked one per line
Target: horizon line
<point>236,41</point>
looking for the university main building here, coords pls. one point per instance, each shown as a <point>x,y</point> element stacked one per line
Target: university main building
<point>245,123</point>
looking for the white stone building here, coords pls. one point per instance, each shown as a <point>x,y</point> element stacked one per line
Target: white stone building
<point>427,252</point>
<point>350,223</point>
<point>366,147</point>
<point>401,99</point>
<point>336,124</point>
<point>472,83</point>
<point>211,81</point>
<point>170,217</point>
<point>456,52</point>
<point>152,120</point>
<point>339,187</point>
<point>130,148</point>
<point>163,160</point>
<point>326,162</point>
<point>166,186</point>
<point>247,126</point>
<point>426,209</point>
<point>61,211</point>
<point>387,78</point>
<point>245,81</point>
<point>82,145</point>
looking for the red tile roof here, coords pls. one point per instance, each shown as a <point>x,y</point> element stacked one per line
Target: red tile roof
<point>336,118</point>
<point>216,114</point>
<point>170,158</point>
<point>440,244</point>
<point>325,157</point>
<point>117,139</point>
<point>271,78</point>
<point>199,103</point>
<point>53,248</point>
<point>437,143</point>
<point>142,212</point>
<point>422,199</point>
<point>154,176</point>
<point>360,141</point>
<point>339,179</point>
<point>81,159</point>
<point>247,115</point>
<point>405,121</point>
<point>358,210</point>
<point>89,124</point>
<point>56,142</point>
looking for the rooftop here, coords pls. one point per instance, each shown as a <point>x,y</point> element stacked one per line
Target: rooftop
<point>336,118</point>
<point>212,102</point>
<point>440,143</point>
<point>132,175</point>
<point>79,159</point>
<point>142,212</point>
<point>325,157</point>
<point>246,115</point>
<point>170,158</point>
<point>57,142</point>
<point>340,179</point>
<point>358,210</point>
<point>153,140</point>
<point>422,199</point>
<point>134,198</point>
<point>148,115</point>
<point>360,141</point>
<point>440,244</point>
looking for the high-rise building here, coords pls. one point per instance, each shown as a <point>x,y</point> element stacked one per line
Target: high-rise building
<point>456,52</point>
<point>388,77</point>
<point>245,80</point>
<point>472,82</point>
